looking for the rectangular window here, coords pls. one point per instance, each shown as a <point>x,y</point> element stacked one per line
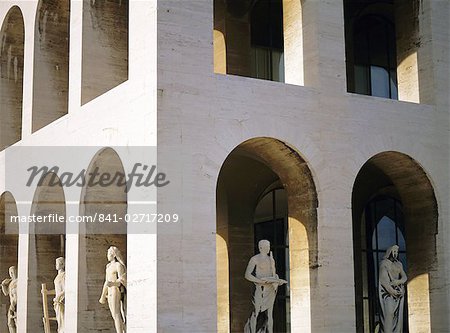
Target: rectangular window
<point>267,64</point>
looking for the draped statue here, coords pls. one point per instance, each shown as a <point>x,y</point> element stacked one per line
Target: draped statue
<point>391,291</point>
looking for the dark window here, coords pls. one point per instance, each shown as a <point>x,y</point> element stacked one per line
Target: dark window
<point>375,65</point>
<point>382,227</point>
<point>267,41</point>
<point>271,224</point>
<point>371,48</point>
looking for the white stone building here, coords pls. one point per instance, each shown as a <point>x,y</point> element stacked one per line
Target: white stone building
<point>320,125</point>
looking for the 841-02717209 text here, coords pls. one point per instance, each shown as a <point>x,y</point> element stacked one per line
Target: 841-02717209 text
<point>136,218</point>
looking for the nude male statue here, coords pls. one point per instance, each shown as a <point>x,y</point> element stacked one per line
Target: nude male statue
<point>266,284</point>
<point>114,288</point>
<point>9,288</point>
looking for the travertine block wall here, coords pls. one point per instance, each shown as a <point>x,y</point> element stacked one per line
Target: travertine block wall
<point>202,117</point>
<point>207,115</point>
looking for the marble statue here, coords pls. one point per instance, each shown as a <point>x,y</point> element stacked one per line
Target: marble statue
<point>9,288</point>
<point>58,301</point>
<point>266,284</point>
<point>114,288</point>
<point>391,291</point>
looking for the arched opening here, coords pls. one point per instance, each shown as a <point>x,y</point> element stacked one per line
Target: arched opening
<point>103,208</point>
<point>265,190</point>
<point>251,38</point>
<point>105,46</point>
<point>9,242</point>
<point>47,241</point>
<point>51,62</point>
<point>393,203</point>
<point>11,77</point>
<point>381,45</point>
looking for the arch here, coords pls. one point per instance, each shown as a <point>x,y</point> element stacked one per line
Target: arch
<point>12,36</point>
<point>105,46</point>
<point>9,244</point>
<point>95,238</point>
<point>259,39</point>
<point>246,174</point>
<point>399,176</point>
<point>51,62</point>
<point>396,69</point>
<point>46,243</point>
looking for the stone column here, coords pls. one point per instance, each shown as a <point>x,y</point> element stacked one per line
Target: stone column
<point>323,44</point>
<point>293,42</point>
<point>335,276</point>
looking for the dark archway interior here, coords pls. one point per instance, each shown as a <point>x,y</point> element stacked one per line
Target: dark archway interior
<point>51,62</point>
<point>105,46</point>
<point>11,77</point>
<point>243,181</point>
<point>399,176</point>
<point>46,243</point>
<point>96,238</point>
<point>245,175</point>
<point>9,242</point>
